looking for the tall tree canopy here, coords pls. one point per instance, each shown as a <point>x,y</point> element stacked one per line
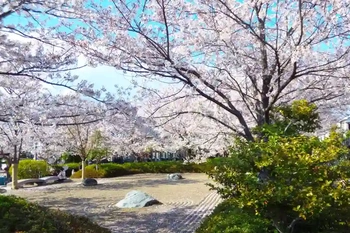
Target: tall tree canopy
<point>240,57</point>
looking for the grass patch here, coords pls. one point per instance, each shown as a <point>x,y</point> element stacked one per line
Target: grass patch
<point>19,215</point>
<point>229,219</point>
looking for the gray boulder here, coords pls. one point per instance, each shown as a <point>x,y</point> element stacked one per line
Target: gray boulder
<point>137,199</point>
<point>89,182</point>
<point>174,177</point>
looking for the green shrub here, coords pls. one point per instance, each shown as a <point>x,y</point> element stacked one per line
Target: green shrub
<point>18,215</point>
<point>200,167</point>
<point>284,179</point>
<point>74,166</point>
<point>226,218</point>
<point>115,170</point>
<point>293,180</point>
<point>166,167</point>
<point>90,172</point>
<point>28,168</point>
<point>71,167</point>
<point>56,167</point>
<point>69,158</point>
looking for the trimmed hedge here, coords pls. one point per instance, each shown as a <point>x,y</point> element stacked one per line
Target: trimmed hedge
<point>70,166</point>
<point>114,170</point>
<point>90,172</point>
<point>229,219</point>
<point>18,215</point>
<point>28,168</point>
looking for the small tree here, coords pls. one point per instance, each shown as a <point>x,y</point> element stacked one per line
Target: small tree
<point>21,107</point>
<point>294,180</point>
<point>69,157</point>
<point>78,137</point>
<point>100,148</point>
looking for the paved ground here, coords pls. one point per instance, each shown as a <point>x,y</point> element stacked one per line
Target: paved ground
<point>185,202</point>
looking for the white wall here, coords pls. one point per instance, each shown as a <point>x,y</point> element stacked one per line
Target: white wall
<point>344,125</point>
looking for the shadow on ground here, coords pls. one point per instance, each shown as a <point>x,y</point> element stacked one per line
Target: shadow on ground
<point>177,217</point>
<point>138,183</point>
<point>164,220</point>
<point>118,184</point>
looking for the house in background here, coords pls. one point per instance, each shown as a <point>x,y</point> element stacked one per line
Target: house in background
<point>343,125</point>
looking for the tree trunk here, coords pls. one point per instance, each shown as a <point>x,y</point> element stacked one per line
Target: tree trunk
<point>97,164</point>
<point>14,175</point>
<point>83,169</point>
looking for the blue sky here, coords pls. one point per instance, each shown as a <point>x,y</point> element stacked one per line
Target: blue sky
<point>101,76</point>
<point>104,76</point>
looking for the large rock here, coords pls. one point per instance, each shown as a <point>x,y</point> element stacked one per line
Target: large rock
<point>89,182</point>
<point>175,176</point>
<point>137,199</point>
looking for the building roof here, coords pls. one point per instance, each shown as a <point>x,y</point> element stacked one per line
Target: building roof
<point>345,119</point>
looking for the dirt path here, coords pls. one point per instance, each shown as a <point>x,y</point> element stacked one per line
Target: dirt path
<point>185,202</point>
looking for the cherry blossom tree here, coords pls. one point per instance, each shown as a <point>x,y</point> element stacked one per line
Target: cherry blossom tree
<point>130,134</point>
<point>30,56</point>
<point>32,119</point>
<point>28,51</point>
<point>243,57</point>
<point>79,141</point>
<point>21,109</point>
<point>85,117</point>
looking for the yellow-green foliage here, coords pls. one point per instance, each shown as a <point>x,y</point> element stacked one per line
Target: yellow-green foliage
<point>301,178</point>
<point>18,215</point>
<point>227,218</point>
<point>291,120</point>
<point>287,177</point>
<point>28,168</point>
<point>90,172</point>
<point>114,170</point>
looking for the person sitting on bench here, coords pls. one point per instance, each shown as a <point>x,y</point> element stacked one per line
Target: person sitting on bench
<point>62,175</point>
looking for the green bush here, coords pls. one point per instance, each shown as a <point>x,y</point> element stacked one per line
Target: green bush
<point>299,183</point>
<point>90,172</point>
<point>56,167</point>
<point>202,167</point>
<point>74,166</point>
<point>115,170</point>
<point>287,179</point>
<point>70,166</point>
<point>69,158</point>
<point>28,168</point>
<point>18,215</point>
<point>226,218</point>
